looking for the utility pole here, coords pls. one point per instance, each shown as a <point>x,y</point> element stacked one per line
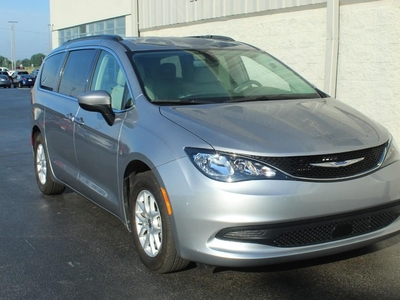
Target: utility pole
<point>12,44</point>
<point>50,36</point>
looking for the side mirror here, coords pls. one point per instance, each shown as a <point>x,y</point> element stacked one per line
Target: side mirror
<point>98,101</point>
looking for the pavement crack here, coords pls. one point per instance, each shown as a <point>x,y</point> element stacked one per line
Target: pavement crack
<point>30,245</point>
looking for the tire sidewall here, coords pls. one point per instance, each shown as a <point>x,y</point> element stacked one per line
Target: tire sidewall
<point>39,141</point>
<point>50,187</point>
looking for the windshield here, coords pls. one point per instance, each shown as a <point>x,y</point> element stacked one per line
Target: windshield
<point>217,75</point>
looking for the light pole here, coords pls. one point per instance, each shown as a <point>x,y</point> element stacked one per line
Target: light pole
<point>50,36</point>
<point>12,44</point>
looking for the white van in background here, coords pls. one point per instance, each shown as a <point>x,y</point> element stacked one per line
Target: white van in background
<point>4,69</point>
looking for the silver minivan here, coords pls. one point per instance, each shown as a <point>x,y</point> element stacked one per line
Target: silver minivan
<point>212,151</point>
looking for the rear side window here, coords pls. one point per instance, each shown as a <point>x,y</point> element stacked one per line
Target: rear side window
<point>51,71</point>
<point>76,72</point>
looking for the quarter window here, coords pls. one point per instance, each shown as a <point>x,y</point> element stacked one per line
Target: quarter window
<point>51,72</point>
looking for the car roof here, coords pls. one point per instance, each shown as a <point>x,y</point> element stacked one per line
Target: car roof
<point>159,43</point>
<point>190,43</point>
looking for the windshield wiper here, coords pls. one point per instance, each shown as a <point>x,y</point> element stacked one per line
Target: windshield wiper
<point>274,97</point>
<point>248,99</point>
<point>183,102</point>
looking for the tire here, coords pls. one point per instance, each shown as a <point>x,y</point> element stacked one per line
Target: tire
<point>151,226</point>
<point>44,180</point>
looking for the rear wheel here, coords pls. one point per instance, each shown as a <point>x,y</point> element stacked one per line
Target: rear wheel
<point>42,169</point>
<point>151,226</point>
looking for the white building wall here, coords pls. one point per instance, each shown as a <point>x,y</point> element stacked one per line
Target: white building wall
<point>369,61</point>
<point>155,13</point>
<point>64,14</point>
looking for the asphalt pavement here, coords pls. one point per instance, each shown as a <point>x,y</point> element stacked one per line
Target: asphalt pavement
<point>65,247</point>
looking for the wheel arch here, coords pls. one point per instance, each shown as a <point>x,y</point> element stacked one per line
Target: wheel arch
<point>133,168</point>
<point>169,261</point>
<point>35,131</point>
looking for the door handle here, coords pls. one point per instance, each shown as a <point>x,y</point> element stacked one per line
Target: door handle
<point>70,117</point>
<point>79,121</point>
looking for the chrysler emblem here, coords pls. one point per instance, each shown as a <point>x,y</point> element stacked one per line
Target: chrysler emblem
<point>337,164</point>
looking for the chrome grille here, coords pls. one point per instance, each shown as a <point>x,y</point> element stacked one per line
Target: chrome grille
<point>300,166</point>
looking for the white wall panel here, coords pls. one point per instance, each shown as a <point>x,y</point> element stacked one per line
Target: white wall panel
<point>64,14</point>
<point>156,13</point>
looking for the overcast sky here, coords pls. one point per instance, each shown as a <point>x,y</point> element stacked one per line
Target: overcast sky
<point>31,33</point>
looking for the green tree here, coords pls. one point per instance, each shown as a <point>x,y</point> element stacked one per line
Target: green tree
<point>25,63</point>
<point>18,63</point>
<point>4,62</point>
<point>37,59</point>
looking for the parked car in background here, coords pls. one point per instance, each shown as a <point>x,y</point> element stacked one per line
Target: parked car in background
<point>5,81</point>
<point>34,72</point>
<point>24,81</point>
<point>211,150</point>
<point>4,69</point>
<point>6,74</point>
<point>15,73</point>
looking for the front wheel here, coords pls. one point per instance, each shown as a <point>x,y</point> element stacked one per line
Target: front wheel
<point>42,169</point>
<point>151,226</point>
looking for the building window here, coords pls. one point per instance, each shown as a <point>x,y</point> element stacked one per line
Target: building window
<point>110,26</point>
<point>82,30</point>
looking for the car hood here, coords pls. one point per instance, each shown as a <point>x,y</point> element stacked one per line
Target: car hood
<point>284,127</point>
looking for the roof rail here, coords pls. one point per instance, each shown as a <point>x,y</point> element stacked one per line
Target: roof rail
<point>214,37</point>
<point>98,36</point>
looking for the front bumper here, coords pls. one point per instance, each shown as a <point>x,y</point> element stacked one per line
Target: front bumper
<point>204,209</point>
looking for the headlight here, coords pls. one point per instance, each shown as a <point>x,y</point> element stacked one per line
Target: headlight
<point>392,154</point>
<point>230,167</point>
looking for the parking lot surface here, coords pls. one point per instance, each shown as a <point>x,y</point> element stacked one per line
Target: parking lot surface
<point>65,247</point>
